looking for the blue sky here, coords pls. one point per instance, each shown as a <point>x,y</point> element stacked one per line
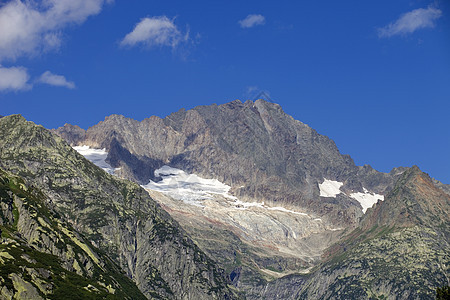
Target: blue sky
<point>372,75</point>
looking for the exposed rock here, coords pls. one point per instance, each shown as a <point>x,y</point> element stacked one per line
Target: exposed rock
<point>266,157</point>
<point>442,186</point>
<point>253,242</point>
<point>25,290</point>
<point>41,255</point>
<point>73,134</point>
<point>273,247</point>
<point>263,153</point>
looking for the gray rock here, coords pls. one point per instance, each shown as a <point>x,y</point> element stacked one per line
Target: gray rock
<point>253,144</point>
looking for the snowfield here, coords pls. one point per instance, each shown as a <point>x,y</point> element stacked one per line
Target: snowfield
<point>193,189</point>
<point>367,199</point>
<point>189,188</point>
<point>330,188</point>
<point>97,156</point>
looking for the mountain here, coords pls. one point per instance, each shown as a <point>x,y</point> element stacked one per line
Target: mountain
<point>294,192</point>
<point>399,250</point>
<point>256,148</point>
<point>285,198</point>
<point>235,200</point>
<point>59,207</point>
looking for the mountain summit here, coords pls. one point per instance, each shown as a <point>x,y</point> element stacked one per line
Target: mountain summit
<point>255,147</point>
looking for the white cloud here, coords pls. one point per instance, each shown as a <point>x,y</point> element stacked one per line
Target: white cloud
<point>411,21</point>
<point>30,27</point>
<point>56,80</point>
<point>14,79</point>
<point>252,20</point>
<point>155,31</point>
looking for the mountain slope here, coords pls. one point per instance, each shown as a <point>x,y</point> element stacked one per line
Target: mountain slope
<point>400,250</point>
<point>116,216</point>
<point>41,256</point>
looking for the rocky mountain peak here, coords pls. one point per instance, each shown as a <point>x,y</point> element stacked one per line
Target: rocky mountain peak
<point>73,134</point>
<point>263,194</point>
<point>255,147</point>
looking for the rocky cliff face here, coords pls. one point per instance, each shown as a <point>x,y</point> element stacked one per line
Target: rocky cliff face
<point>400,250</point>
<point>116,216</point>
<point>256,148</point>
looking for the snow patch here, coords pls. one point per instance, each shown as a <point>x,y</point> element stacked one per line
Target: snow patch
<point>189,188</point>
<point>193,189</point>
<point>96,156</point>
<point>330,188</point>
<point>366,199</point>
<point>279,208</point>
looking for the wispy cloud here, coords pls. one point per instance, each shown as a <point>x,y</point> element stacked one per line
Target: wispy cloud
<point>251,91</point>
<point>14,79</point>
<point>155,31</point>
<point>31,27</point>
<point>411,21</point>
<point>55,80</point>
<point>252,20</point>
